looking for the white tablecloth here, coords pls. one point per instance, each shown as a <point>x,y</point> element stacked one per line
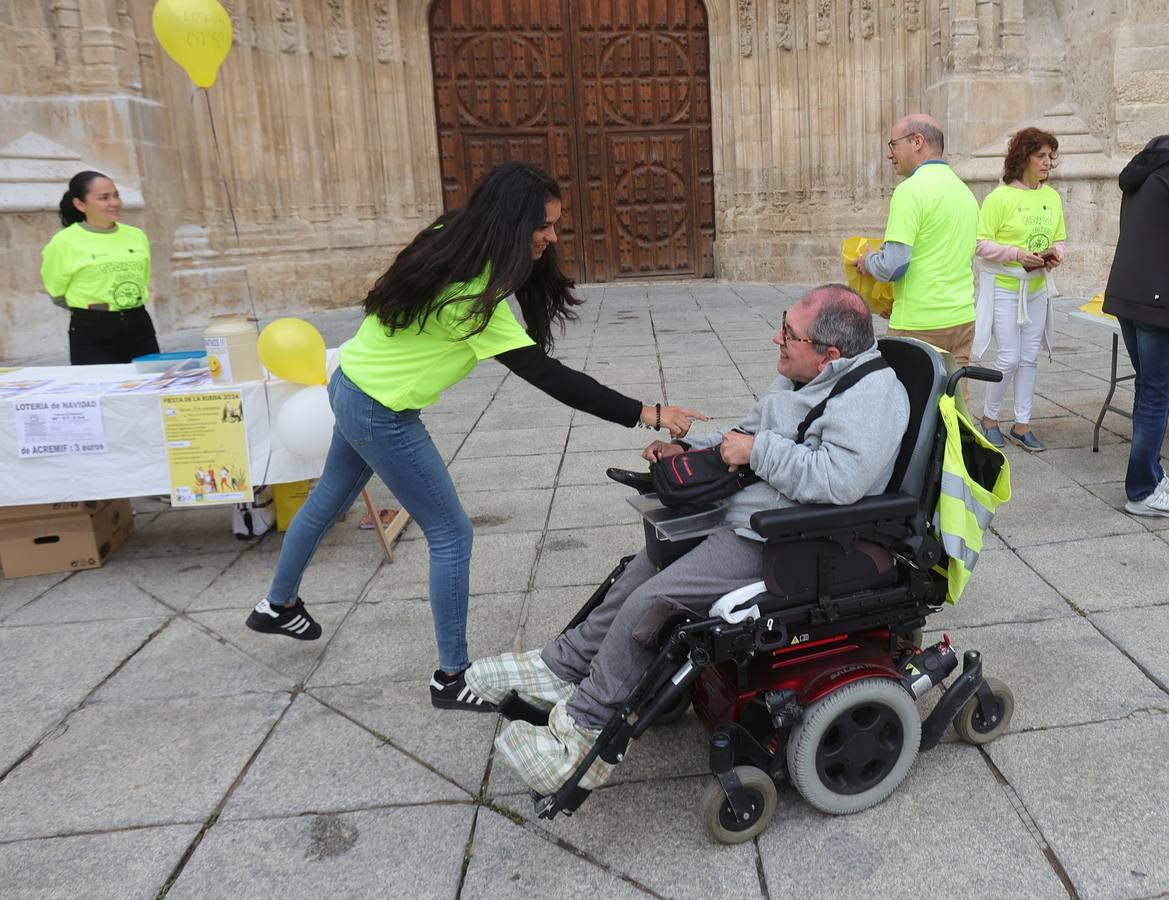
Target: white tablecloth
<point>134,464</point>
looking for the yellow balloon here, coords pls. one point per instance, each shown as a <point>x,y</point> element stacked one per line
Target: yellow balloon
<point>293,350</point>
<point>877,294</point>
<point>196,34</point>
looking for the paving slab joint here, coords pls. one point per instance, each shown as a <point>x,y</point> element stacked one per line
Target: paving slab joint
<point>1031,825</point>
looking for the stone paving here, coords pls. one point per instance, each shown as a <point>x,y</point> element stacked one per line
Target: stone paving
<point>150,745</point>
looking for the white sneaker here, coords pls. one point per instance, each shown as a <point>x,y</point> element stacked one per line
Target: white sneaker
<point>1162,486</point>
<point>1156,504</point>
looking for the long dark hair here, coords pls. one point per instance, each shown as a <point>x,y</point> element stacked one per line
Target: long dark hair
<point>1022,144</point>
<point>78,188</point>
<point>492,233</point>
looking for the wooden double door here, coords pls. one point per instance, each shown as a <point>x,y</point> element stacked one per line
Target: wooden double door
<point>610,97</point>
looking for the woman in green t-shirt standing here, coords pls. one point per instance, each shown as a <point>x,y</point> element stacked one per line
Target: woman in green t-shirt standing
<point>430,319</point>
<point>1020,240</point>
<point>98,268</point>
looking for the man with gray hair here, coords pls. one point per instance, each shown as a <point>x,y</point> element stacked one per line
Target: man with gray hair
<point>929,242</point>
<point>848,452</point>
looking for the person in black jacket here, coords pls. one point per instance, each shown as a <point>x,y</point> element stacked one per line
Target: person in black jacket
<point>1138,295</point>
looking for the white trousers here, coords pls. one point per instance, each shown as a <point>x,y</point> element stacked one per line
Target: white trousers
<point>1017,351</point>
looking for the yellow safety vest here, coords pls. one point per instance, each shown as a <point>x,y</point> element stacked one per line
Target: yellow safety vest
<point>976,478</point>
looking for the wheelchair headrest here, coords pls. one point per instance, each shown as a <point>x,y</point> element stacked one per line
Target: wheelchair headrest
<point>921,369</point>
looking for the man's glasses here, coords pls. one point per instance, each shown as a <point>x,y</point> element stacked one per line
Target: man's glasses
<point>895,141</point>
<point>786,333</point>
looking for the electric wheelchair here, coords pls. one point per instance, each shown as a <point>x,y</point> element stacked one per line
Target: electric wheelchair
<point>821,687</point>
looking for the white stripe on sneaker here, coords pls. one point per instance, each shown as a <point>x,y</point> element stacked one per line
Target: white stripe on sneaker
<point>468,696</point>
<point>293,622</point>
<point>304,627</point>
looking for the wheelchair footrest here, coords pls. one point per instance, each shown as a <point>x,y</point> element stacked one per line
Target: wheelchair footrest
<point>547,807</point>
<point>515,707</point>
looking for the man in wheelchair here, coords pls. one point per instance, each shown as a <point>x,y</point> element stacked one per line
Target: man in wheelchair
<point>845,453</point>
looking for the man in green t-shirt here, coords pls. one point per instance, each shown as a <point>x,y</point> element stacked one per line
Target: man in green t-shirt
<point>929,242</point>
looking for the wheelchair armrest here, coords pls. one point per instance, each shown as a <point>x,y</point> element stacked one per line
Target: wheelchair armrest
<point>781,524</point>
<point>642,482</point>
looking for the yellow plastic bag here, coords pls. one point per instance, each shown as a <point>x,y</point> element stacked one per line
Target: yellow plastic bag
<point>877,294</point>
<point>1095,307</point>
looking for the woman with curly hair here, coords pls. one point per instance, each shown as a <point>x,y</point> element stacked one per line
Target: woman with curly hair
<point>436,312</point>
<point>1021,237</point>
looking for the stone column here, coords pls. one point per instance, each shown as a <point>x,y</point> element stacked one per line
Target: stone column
<point>1141,74</point>
<point>1013,41</point>
<point>964,37</point>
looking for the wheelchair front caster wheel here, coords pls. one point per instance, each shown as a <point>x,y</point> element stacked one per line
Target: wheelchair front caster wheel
<point>973,727</point>
<point>759,795</point>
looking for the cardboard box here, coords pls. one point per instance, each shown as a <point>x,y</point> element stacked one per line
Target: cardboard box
<point>64,541</point>
<point>43,510</point>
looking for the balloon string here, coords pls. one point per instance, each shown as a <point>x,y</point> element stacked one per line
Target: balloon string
<point>263,480</point>
<point>219,161</point>
<point>227,193</point>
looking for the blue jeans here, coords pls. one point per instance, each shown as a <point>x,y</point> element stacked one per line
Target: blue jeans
<point>1148,348</point>
<point>367,438</point>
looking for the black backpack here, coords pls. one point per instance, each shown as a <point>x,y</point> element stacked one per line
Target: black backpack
<point>697,477</point>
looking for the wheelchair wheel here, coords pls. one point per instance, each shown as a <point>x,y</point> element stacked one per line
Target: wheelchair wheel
<point>973,727</point>
<point>719,818</point>
<point>854,746</point>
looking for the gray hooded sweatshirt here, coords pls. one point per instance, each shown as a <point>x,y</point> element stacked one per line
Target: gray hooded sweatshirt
<point>847,453</point>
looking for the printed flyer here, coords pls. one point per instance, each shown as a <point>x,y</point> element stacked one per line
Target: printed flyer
<point>57,426</point>
<point>206,448</point>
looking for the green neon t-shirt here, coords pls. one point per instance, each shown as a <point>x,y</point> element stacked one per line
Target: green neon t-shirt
<point>1018,217</point>
<point>935,213</point>
<point>409,369</point>
<point>93,267</point>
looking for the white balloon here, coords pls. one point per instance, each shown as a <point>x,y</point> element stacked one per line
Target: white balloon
<point>304,423</point>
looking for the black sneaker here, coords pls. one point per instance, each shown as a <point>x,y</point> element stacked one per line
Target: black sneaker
<point>451,692</point>
<point>293,621</point>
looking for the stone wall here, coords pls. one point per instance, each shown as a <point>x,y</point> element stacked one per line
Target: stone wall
<point>324,117</point>
<point>818,83</point>
<point>320,165</point>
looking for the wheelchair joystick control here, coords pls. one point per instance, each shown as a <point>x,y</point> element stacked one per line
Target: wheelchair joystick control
<point>928,667</point>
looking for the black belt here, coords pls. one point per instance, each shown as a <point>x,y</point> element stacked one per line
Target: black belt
<point>103,308</point>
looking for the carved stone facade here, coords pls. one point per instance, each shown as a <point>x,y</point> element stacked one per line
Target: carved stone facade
<point>325,134</point>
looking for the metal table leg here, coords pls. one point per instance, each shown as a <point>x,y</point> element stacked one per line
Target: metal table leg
<point>1108,399</point>
<point>1113,380</point>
